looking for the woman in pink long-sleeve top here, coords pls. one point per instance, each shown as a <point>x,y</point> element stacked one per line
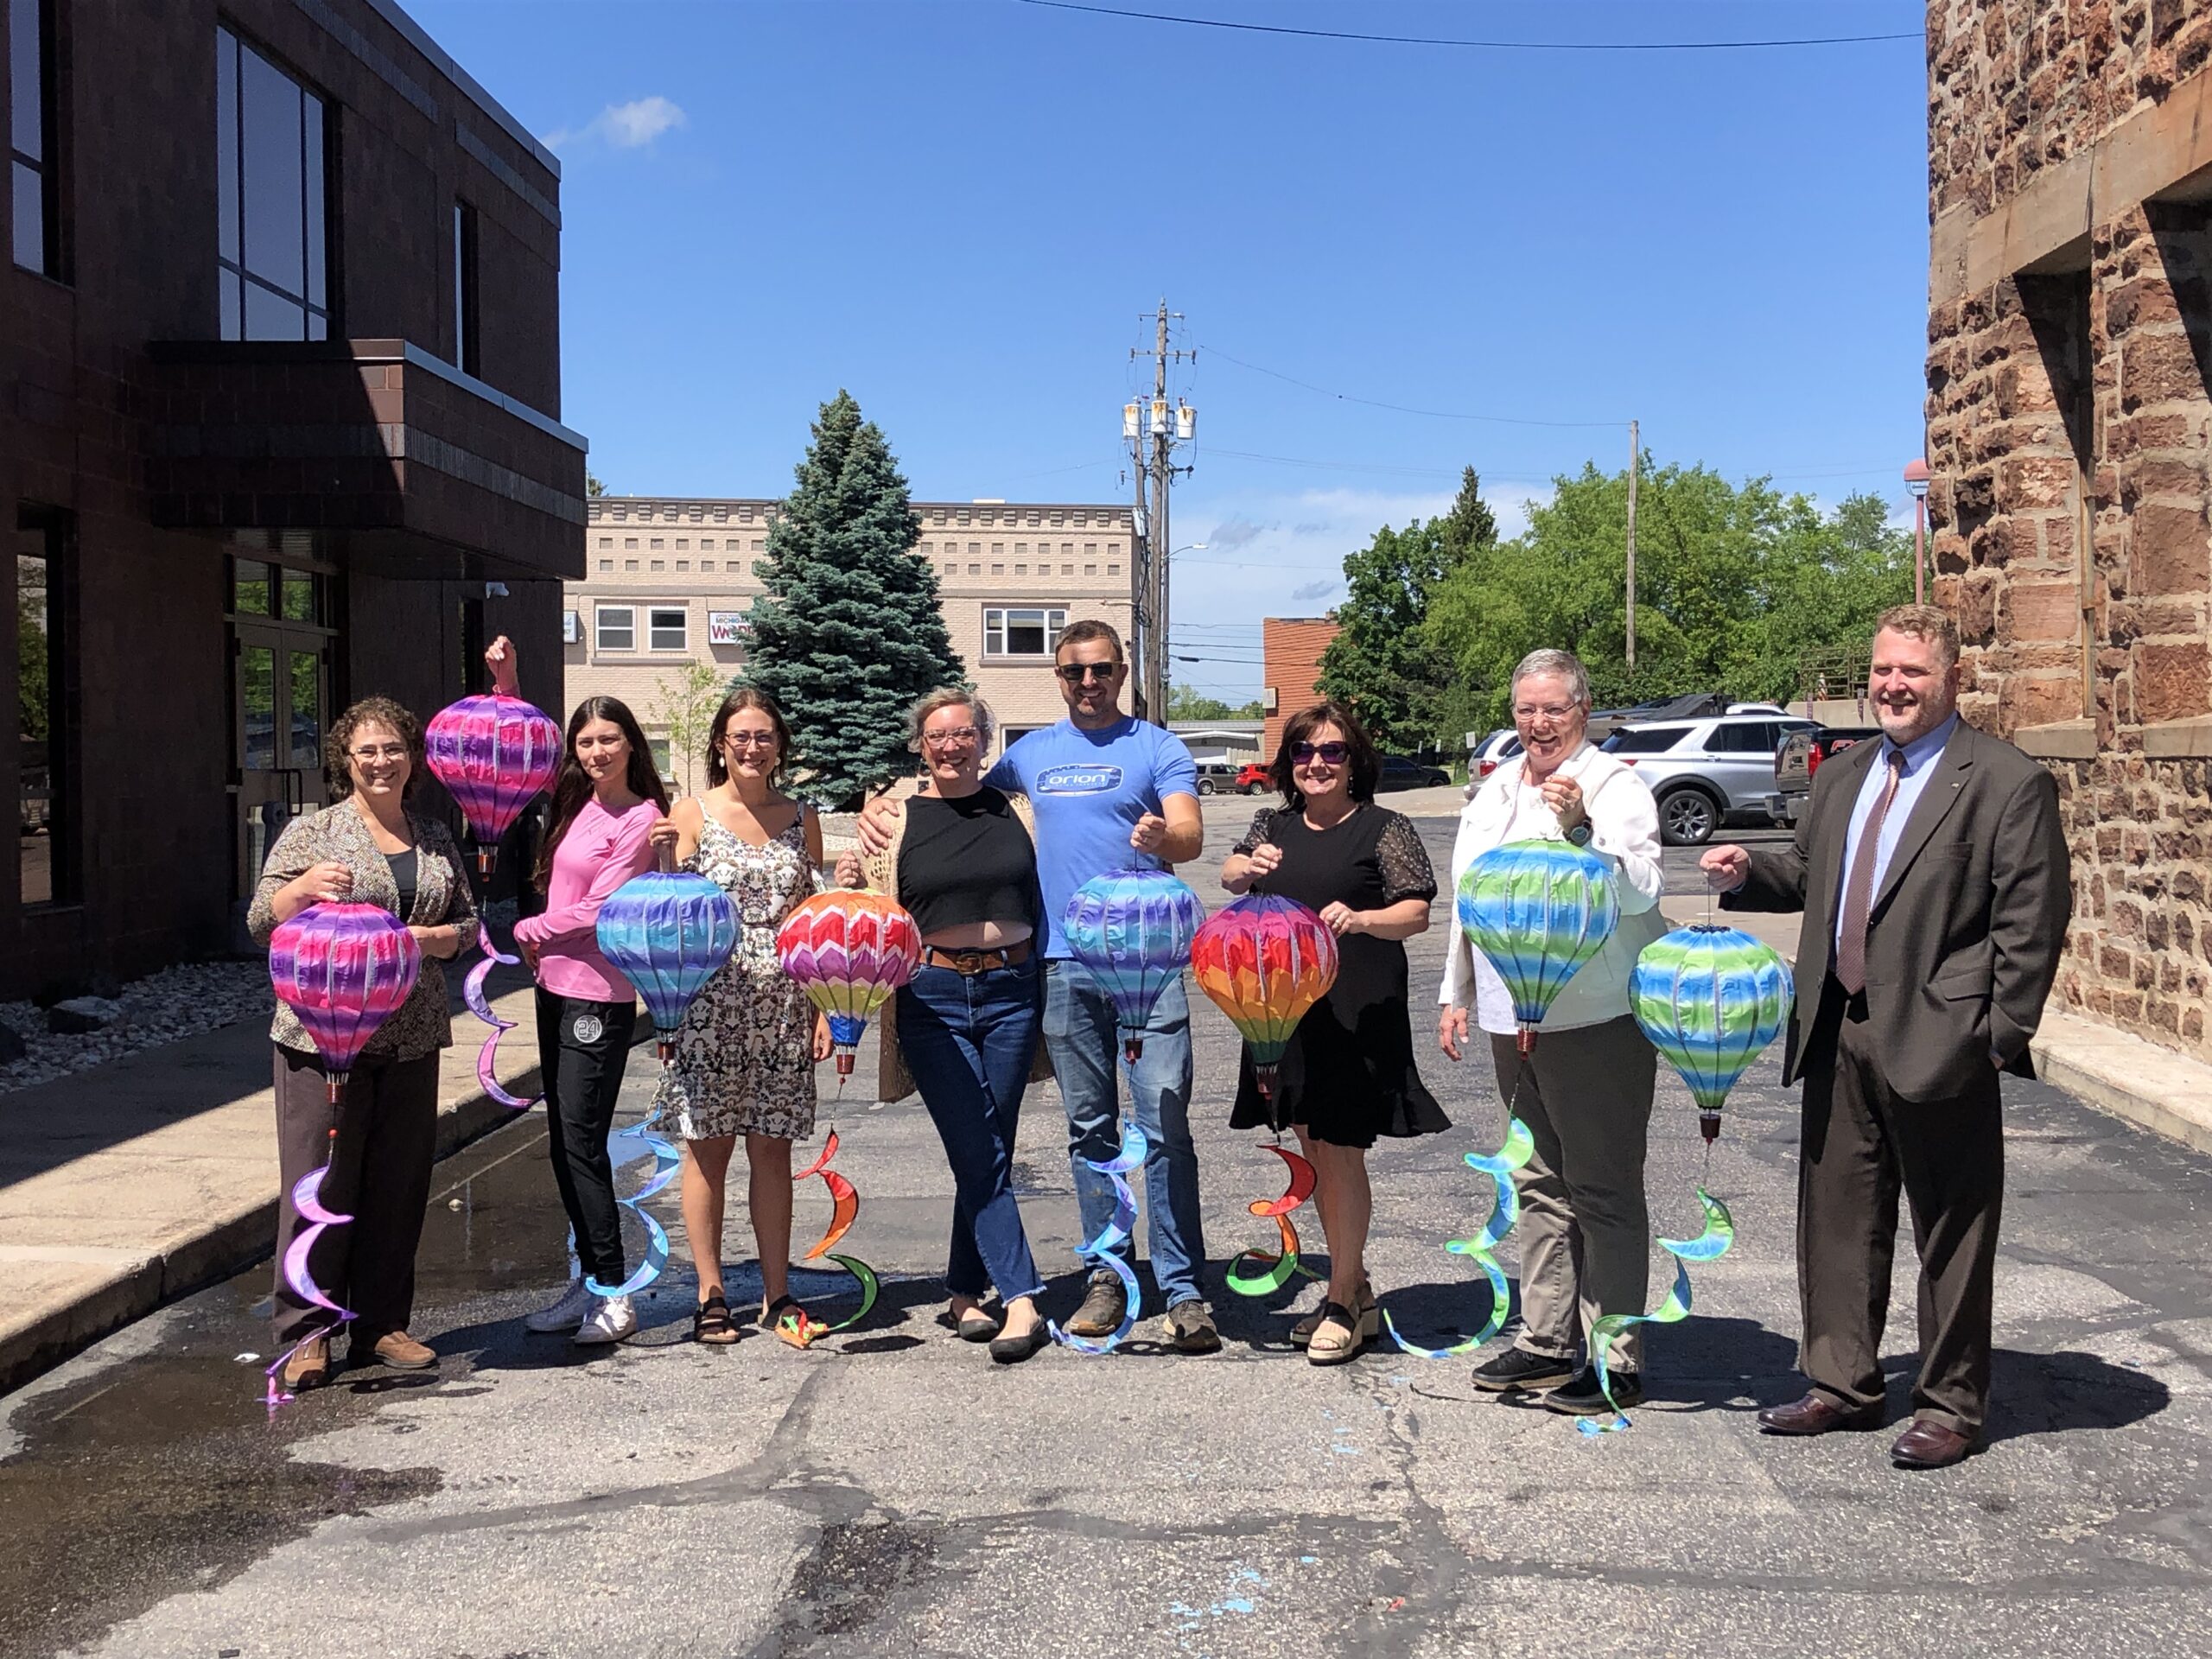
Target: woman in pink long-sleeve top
<point>606,801</point>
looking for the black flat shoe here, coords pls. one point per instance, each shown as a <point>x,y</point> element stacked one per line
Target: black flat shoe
<point>1011,1350</point>
<point>975,1326</point>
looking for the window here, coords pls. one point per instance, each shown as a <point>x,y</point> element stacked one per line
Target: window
<point>272,159</point>
<point>629,564</point>
<point>1744,737</point>
<point>45,785</point>
<point>617,627</point>
<point>1021,633</point>
<point>683,564</point>
<point>1075,519</point>
<point>466,355</point>
<point>630,546</point>
<point>606,564</point>
<point>32,129</point>
<point>1088,569</point>
<point>1090,549</point>
<point>1113,569</point>
<point>1652,739</point>
<point>684,543</point>
<point>998,549</point>
<point>707,566</point>
<point>1067,570</point>
<point>657,543</point>
<point>1023,569</point>
<point>665,630</point>
<point>657,565</point>
<point>606,541</point>
<point>662,764</point>
<point>998,570</point>
<point>974,569</point>
<point>759,547</point>
<point>964,515</point>
<point>706,544</point>
<point>1020,548</point>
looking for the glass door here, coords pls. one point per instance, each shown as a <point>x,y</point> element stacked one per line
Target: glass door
<point>280,698</point>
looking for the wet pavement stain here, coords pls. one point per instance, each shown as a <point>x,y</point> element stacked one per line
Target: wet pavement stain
<point>843,1584</point>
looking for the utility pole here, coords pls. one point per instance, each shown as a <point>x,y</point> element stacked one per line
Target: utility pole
<point>1165,427</point>
<point>1634,465</point>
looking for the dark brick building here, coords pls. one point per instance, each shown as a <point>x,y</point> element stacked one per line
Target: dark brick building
<point>279,427</point>
<point>2069,431</point>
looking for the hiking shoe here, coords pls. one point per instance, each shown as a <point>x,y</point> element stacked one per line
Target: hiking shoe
<point>1582,1397</point>
<point>1103,1306</point>
<point>565,1315</point>
<point>1190,1328</point>
<point>1516,1369</point>
<point>611,1319</point>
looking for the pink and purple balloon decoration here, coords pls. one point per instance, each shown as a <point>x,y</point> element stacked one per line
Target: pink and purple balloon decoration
<point>343,969</point>
<point>480,1004</point>
<point>307,1199</point>
<point>494,754</point>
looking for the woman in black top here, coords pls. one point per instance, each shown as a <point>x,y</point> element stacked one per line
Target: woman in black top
<point>1348,1075</point>
<point>961,859</point>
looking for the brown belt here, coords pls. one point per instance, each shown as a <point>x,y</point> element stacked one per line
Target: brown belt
<point>979,960</point>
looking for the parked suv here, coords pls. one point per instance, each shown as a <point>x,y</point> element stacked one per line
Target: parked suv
<point>1704,772</point>
<point>1800,757</point>
<point>1401,773</point>
<point>1254,779</point>
<point>1218,776</point>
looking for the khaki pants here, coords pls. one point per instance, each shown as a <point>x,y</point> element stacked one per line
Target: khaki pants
<point>1585,1232</point>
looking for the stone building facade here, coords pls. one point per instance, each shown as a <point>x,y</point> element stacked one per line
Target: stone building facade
<point>1290,659</point>
<point>280,387</point>
<point>667,583</point>
<point>2069,435</point>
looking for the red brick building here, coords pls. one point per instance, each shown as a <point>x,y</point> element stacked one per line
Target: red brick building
<point>1290,653</point>
<point>280,327</point>
<point>2069,431</point>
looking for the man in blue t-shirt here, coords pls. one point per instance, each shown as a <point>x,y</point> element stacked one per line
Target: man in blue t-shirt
<point>1110,791</point>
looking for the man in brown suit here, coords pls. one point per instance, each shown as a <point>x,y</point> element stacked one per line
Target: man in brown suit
<point>1932,873</point>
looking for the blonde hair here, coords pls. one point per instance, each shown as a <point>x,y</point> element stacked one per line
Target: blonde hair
<point>952,697</point>
<point>1926,623</point>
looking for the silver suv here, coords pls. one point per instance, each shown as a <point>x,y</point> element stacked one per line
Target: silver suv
<point>1704,772</point>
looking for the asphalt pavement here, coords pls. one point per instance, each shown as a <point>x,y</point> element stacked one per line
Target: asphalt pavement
<point>893,1492</point>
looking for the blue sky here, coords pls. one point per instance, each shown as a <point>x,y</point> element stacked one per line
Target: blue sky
<point>959,209</point>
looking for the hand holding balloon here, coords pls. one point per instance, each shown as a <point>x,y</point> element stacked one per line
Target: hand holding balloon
<point>1451,1031</point>
<point>441,942</point>
<point>1263,859</point>
<point>848,874</point>
<point>1150,834</point>
<point>824,1045</point>
<point>1564,796</point>
<point>500,657</point>
<point>328,883</point>
<point>1727,868</point>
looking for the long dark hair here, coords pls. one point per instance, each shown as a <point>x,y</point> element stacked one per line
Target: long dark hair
<point>743,697</point>
<point>572,785</point>
<point>1366,766</point>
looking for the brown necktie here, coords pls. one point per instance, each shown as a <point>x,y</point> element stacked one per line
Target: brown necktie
<point>1858,891</point>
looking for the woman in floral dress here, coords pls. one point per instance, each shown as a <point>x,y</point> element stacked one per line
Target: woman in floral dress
<point>745,1056</point>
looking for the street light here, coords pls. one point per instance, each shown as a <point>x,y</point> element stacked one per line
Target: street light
<point>1916,484</point>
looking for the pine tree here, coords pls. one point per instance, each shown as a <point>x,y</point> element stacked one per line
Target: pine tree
<point>849,632</point>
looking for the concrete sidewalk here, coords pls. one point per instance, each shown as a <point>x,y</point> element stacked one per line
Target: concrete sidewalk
<point>124,1186</point>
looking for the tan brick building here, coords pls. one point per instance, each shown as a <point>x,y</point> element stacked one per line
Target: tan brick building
<point>1290,656</point>
<point>668,580</point>
<point>2069,430</point>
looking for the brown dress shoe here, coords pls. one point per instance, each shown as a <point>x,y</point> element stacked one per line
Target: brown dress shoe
<point>308,1366</point>
<point>402,1353</point>
<point>1815,1415</point>
<point>1931,1445</point>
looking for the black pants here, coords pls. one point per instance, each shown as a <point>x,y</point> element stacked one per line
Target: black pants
<point>387,1124</point>
<point>582,1050</point>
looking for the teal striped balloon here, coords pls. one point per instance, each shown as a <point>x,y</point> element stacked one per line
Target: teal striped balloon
<point>1710,998</point>
<point>1538,910</point>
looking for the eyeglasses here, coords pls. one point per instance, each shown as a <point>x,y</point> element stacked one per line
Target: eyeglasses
<point>945,739</point>
<point>1550,711</point>
<point>749,739</point>
<point>1329,754</point>
<point>368,753</point>
<point>1077,673</point>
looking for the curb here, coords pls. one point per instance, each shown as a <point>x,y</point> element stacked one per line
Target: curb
<point>229,1244</point>
<point>2126,1077</point>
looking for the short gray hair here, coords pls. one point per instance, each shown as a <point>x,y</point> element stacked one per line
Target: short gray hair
<point>952,697</point>
<point>1565,663</point>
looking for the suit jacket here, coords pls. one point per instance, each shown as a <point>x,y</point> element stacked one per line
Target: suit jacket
<point>1967,928</point>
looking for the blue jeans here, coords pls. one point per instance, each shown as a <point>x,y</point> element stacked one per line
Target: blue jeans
<point>1086,1048</point>
<point>969,1040</point>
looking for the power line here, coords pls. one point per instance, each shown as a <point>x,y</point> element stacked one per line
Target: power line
<point>1401,409</point>
<point>1486,46</point>
<point>1339,465</point>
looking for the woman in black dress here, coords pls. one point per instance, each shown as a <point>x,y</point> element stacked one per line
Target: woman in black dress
<point>1348,1075</point>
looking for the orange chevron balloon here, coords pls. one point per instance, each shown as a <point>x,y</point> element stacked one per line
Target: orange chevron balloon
<point>1265,960</point>
<point>849,950</point>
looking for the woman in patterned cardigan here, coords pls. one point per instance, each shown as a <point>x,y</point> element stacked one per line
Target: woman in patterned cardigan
<point>366,848</point>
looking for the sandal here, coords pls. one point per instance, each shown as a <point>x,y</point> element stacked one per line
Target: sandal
<point>711,1323</point>
<point>790,1321</point>
<point>1325,1347</point>
<point>1369,1310</point>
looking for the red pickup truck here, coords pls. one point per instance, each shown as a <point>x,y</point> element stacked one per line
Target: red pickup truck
<point>1799,758</point>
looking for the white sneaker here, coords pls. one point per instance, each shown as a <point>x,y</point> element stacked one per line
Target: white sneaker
<point>611,1319</point>
<point>562,1316</point>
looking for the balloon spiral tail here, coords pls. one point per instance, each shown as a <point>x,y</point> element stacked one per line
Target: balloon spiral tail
<point>1104,1250</point>
<point>800,1329</point>
<point>306,1201</point>
<point>666,1161</point>
<point>1709,1245</point>
<point>1273,1272</point>
<point>480,1004</point>
<point>1505,1211</point>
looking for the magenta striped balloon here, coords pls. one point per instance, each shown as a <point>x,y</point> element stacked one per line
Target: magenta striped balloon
<point>343,969</point>
<point>493,754</point>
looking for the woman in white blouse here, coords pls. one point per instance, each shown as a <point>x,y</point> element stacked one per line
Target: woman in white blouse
<point>1585,1091</point>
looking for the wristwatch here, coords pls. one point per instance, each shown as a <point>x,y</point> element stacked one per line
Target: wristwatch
<point>1581,834</point>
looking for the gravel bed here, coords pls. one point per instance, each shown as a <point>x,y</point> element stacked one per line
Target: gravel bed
<point>180,1002</point>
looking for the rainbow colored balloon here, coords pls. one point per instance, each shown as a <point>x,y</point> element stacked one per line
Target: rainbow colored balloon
<point>1264,960</point>
<point>1710,999</point>
<point>849,950</point>
<point>494,754</point>
<point>343,969</point>
<point>666,931</point>
<point>1133,930</point>
<point>1539,910</point>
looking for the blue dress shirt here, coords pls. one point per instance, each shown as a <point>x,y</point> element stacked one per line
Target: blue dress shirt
<point>1920,757</point>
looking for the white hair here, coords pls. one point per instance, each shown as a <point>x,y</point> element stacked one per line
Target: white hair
<point>952,697</point>
<point>1565,663</point>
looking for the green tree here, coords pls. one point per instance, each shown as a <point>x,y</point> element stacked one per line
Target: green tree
<point>31,673</point>
<point>1184,703</point>
<point>849,631</point>
<point>592,485</point>
<point>685,704</point>
<point>1383,663</point>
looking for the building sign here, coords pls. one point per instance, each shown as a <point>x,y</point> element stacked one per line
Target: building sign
<point>726,627</point>
<point>572,628</point>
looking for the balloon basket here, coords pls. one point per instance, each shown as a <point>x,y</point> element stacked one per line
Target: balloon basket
<point>844,1063</point>
<point>334,1085</point>
<point>1263,1079</point>
<point>666,1047</point>
<point>1524,1041</point>
<point>1708,1125</point>
<point>487,859</point>
<point>1132,1048</point>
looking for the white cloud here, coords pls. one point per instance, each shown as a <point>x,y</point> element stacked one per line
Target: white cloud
<point>624,126</point>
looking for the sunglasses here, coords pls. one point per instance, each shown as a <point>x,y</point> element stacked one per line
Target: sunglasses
<point>1329,754</point>
<point>1077,673</point>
